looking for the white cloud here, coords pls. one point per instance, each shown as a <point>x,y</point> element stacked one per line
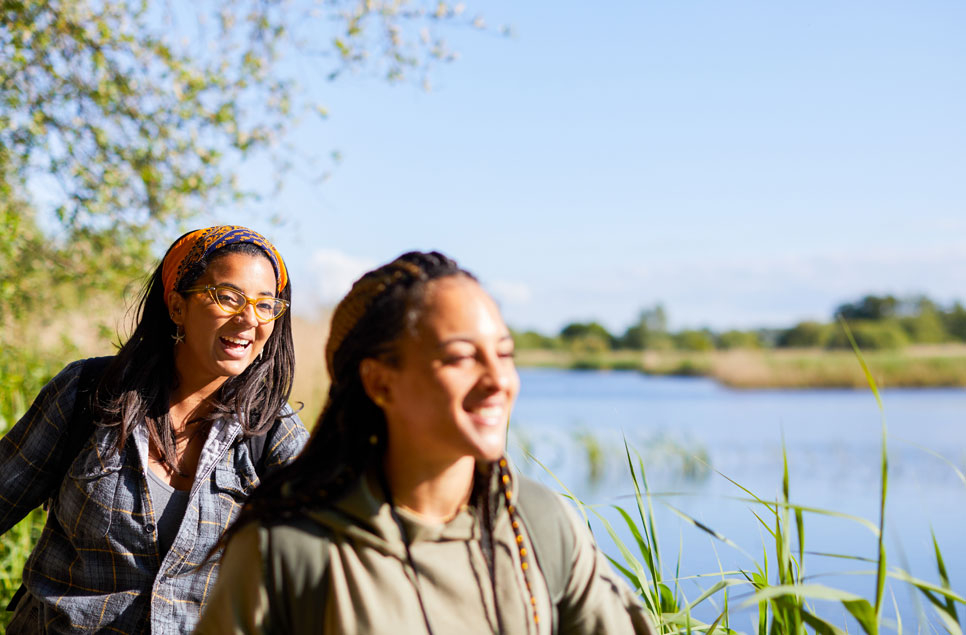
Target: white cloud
<point>334,272</point>
<point>509,292</point>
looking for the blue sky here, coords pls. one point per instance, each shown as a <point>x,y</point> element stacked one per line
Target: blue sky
<point>746,163</point>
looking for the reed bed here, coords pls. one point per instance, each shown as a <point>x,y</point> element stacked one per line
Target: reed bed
<point>913,367</point>
<point>775,585</point>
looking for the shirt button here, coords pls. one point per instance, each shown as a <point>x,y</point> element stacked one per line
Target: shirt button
<point>149,528</point>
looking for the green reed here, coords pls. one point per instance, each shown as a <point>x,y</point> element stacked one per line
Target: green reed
<point>776,583</point>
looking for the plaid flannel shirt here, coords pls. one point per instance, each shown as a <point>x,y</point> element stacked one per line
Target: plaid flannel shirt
<point>97,566</point>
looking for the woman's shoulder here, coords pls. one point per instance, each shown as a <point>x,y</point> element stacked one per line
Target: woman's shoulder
<point>62,387</point>
<point>79,371</point>
<point>536,499</point>
<point>550,524</point>
<point>285,439</point>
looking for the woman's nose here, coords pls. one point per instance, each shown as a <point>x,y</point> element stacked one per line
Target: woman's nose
<point>497,372</point>
<point>247,315</point>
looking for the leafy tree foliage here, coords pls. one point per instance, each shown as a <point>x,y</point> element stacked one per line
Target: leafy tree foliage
<point>804,335</point>
<point>871,307</point>
<point>650,330</point>
<point>694,340</point>
<point>870,335</point>
<point>738,339</point>
<point>954,322</point>
<point>912,320</point>
<point>587,337</point>
<point>121,119</point>
<point>533,339</point>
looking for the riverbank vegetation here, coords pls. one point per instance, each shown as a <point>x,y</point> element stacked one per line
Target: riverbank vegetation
<point>786,596</point>
<point>908,342</point>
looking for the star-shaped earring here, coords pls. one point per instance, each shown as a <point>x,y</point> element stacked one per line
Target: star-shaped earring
<point>178,336</point>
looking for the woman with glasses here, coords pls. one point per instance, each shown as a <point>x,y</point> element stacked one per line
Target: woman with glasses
<point>146,457</point>
<point>403,515</point>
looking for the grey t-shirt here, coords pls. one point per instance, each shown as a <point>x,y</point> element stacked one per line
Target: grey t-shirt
<point>169,505</point>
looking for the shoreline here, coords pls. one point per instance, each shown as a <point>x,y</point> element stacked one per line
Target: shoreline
<point>941,366</point>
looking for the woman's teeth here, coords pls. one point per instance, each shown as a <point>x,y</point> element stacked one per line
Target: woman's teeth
<point>234,341</point>
<point>492,414</point>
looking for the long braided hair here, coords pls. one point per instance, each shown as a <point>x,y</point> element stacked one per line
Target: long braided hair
<point>350,435</point>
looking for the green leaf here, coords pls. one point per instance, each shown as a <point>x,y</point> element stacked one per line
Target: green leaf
<point>821,626</point>
<point>863,612</point>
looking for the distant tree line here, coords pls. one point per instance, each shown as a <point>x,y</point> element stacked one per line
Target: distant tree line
<point>877,322</point>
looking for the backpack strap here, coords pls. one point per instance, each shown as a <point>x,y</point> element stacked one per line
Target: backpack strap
<point>551,535</point>
<point>256,449</point>
<point>81,421</point>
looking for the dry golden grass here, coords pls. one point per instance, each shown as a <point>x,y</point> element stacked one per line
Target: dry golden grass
<point>915,366</point>
<point>311,379</point>
<point>92,329</point>
<point>99,328</point>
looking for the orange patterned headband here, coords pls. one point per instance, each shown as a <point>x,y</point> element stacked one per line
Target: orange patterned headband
<point>194,246</point>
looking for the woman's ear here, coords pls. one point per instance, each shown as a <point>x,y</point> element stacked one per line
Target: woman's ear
<point>176,308</point>
<point>375,377</point>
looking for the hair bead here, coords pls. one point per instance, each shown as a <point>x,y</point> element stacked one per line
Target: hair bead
<point>518,536</point>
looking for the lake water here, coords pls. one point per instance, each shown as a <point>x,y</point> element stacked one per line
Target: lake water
<point>575,423</point>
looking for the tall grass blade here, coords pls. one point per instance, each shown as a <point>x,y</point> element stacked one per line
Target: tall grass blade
<point>821,626</point>
<point>652,559</point>
<point>895,605</point>
<point>642,545</point>
<point>863,612</point>
<point>955,468</point>
<point>633,563</point>
<point>922,585</point>
<point>715,623</point>
<point>649,522</point>
<point>812,591</point>
<point>708,530</point>
<point>865,522</point>
<point>943,577</point>
<point>707,593</point>
<point>950,622</point>
<point>881,568</point>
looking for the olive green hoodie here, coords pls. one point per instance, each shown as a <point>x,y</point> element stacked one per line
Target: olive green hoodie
<point>344,570</point>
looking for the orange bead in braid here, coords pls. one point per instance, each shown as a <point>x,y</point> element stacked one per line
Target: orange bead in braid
<point>518,534</point>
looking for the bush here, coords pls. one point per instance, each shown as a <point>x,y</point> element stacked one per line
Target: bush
<point>739,339</point>
<point>804,335</point>
<point>694,341</point>
<point>587,331</point>
<point>532,340</point>
<point>925,328</point>
<point>884,335</point>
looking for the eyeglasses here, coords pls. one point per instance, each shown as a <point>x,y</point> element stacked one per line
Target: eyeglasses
<point>233,301</point>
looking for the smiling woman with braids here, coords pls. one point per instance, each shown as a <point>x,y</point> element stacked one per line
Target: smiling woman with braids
<point>147,456</point>
<point>402,515</point>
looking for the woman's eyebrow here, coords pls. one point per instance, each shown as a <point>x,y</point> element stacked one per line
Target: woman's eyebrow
<point>231,285</point>
<point>470,340</point>
<point>456,339</point>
